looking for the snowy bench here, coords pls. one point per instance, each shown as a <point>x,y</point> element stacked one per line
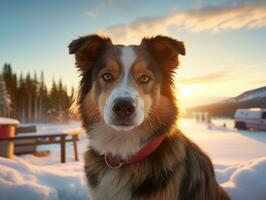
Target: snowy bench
<point>25,146</point>
<point>50,138</point>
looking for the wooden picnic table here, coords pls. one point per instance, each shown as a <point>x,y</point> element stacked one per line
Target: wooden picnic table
<point>51,136</point>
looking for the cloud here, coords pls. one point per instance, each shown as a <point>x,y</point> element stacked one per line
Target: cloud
<point>94,12</point>
<point>119,5</point>
<point>211,77</point>
<point>208,19</point>
<point>259,82</point>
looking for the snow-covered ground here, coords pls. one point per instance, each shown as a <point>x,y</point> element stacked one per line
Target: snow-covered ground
<point>239,157</point>
<point>225,145</point>
<point>239,160</point>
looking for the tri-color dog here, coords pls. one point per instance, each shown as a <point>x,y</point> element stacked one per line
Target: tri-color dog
<point>129,111</point>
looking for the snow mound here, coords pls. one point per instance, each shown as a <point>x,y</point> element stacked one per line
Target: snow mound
<point>245,181</point>
<point>20,180</point>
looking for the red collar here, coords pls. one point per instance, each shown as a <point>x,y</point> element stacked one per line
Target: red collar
<point>115,162</point>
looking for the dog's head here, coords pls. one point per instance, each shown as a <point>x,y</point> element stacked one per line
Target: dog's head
<point>127,87</point>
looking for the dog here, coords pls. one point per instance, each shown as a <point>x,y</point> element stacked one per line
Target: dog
<point>128,108</point>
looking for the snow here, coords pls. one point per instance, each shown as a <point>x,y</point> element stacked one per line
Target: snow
<point>21,180</point>
<point>45,178</point>
<point>245,181</point>
<point>8,121</point>
<point>249,95</point>
<point>239,160</point>
<point>253,95</point>
<point>225,145</point>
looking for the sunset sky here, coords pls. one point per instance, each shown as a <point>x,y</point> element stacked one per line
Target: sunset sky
<point>225,39</point>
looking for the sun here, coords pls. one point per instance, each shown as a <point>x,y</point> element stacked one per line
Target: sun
<point>186,95</point>
<point>187,90</point>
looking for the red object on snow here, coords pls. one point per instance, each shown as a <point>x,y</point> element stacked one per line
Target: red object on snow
<point>7,129</point>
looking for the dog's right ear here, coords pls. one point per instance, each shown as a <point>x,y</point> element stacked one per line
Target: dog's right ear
<point>165,50</point>
<point>87,49</point>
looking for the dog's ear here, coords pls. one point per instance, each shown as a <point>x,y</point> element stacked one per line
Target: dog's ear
<point>164,49</point>
<point>87,49</point>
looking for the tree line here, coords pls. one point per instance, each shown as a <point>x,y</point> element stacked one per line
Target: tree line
<point>29,100</point>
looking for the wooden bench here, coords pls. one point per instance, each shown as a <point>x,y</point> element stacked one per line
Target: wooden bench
<point>27,145</point>
<point>50,138</point>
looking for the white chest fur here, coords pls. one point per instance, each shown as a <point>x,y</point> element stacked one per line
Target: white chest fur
<point>111,187</point>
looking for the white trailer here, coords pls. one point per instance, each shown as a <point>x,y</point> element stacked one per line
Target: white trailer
<point>254,118</point>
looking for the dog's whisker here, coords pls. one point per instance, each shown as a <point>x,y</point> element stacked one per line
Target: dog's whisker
<point>151,125</point>
<point>154,117</point>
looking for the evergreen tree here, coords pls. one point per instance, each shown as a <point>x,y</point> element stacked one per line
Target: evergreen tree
<point>42,99</point>
<point>10,82</point>
<point>4,99</point>
<point>32,101</point>
<point>35,93</point>
<point>21,99</point>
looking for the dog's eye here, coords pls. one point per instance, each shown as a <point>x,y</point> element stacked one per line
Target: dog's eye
<point>107,77</point>
<point>144,79</point>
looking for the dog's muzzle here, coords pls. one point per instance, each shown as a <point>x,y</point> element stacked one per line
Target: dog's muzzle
<point>123,110</point>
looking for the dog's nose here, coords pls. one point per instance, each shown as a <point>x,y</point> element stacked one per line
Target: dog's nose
<point>124,107</point>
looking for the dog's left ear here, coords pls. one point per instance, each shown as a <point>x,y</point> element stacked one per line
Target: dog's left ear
<point>87,50</point>
<point>164,49</point>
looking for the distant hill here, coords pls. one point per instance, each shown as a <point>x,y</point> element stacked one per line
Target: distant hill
<point>249,99</point>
